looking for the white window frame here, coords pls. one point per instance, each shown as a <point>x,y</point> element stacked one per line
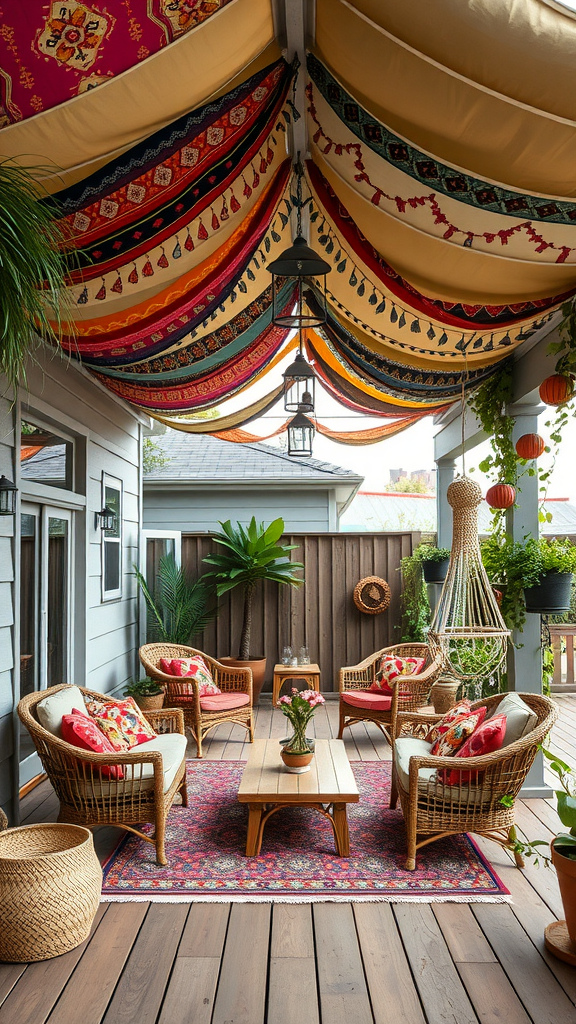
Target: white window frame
<point>116,483</point>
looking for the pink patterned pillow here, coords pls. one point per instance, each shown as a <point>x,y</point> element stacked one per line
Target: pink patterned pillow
<point>83,732</point>
<point>450,741</point>
<point>122,722</point>
<point>461,708</point>
<point>197,668</point>
<point>390,668</point>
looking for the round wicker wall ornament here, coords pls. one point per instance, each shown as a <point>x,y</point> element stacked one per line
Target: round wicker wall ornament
<point>372,595</point>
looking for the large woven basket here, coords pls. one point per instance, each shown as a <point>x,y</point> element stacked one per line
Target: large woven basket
<point>50,886</point>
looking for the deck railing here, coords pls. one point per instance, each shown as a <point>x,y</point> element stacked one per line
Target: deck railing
<point>563,679</point>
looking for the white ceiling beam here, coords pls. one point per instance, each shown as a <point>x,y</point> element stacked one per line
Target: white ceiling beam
<point>296,16</point>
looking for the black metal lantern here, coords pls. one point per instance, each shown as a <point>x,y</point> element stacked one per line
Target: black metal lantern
<point>301,432</point>
<point>300,382</point>
<point>306,266</point>
<point>106,518</point>
<point>8,491</point>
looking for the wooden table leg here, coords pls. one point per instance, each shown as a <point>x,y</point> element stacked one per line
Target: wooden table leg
<point>341,833</point>
<point>254,834</point>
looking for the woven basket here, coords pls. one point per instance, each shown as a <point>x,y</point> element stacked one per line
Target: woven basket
<point>50,886</point>
<point>151,703</point>
<point>3,820</point>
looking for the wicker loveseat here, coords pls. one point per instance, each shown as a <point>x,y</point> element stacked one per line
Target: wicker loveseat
<point>358,704</point>
<point>433,808</point>
<point>202,714</point>
<point>153,772</point>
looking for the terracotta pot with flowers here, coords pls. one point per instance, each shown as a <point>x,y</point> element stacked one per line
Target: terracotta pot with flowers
<point>299,708</point>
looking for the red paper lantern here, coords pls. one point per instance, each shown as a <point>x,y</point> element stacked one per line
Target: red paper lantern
<point>556,389</point>
<point>530,446</point>
<point>501,496</point>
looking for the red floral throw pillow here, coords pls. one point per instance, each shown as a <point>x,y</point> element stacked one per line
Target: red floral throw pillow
<point>486,738</point>
<point>461,708</point>
<point>197,668</point>
<point>456,735</point>
<point>390,668</point>
<point>122,722</point>
<point>82,731</point>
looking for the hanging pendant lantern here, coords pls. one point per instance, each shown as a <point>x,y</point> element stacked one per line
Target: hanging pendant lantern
<point>301,432</point>
<point>557,389</point>
<point>302,263</point>
<point>530,446</point>
<point>501,496</point>
<point>468,629</point>
<point>299,384</point>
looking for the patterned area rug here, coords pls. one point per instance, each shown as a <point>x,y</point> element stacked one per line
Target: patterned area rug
<point>205,847</point>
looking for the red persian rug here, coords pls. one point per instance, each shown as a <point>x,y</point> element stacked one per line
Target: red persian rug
<point>205,846</point>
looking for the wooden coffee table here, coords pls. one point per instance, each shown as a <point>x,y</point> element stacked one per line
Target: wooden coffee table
<point>328,787</point>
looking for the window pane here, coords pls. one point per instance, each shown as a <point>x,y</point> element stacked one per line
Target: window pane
<point>45,458</point>
<point>111,566</point>
<point>112,501</point>
<point>57,601</point>
<point>28,619</point>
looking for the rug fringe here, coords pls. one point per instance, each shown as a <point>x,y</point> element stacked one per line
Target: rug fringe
<point>153,898</point>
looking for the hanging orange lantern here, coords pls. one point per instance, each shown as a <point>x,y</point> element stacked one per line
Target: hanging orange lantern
<point>530,446</point>
<point>556,389</point>
<point>501,496</point>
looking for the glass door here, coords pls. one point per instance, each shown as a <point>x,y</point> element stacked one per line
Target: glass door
<point>154,544</point>
<point>45,610</point>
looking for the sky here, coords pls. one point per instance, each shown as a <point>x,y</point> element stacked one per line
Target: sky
<point>410,450</point>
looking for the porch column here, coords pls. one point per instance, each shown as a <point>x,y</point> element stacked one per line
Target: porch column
<point>444,476</point>
<point>525,661</point>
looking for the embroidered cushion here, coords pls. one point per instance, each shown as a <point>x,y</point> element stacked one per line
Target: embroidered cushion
<point>390,668</point>
<point>368,699</point>
<point>81,731</point>
<point>122,722</point>
<point>461,708</point>
<point>197,668</point>
<point>450,741</point>
<point>486,738</point>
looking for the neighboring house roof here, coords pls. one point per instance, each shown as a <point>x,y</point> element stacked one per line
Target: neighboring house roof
<point>46,464</point>
<point>390,512</point>
<point>200,458</point>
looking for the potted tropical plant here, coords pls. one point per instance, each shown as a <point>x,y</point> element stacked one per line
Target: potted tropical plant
<point>563,856</point>
<point>178,607</point>
<point>434,562</point>
<point>533,577</point>
<point>148,695</point>
<point>251,555</point>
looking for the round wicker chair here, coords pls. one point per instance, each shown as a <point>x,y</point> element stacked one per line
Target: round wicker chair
<point>434,809</point>
<point>409,692</point>
<point>88,796</point>
<point>183,692</point>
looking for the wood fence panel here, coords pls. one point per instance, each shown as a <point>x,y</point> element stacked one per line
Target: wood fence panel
<point>322,614</point>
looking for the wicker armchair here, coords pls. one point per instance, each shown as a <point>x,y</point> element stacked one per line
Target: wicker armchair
<point>433,809</point>
<point>183,692</point>
<point>409,692</point>
<point>88,797</point>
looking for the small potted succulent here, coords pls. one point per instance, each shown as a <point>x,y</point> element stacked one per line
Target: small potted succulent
<point>299,708</point>
<point>148,695</point>
<point>434,562</point>
<point>563,848</point>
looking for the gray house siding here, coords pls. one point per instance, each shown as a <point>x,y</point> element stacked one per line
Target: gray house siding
<point>193,510</point>
<point>107,439</point>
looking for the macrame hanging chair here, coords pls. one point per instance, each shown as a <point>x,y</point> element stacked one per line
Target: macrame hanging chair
<point>468,629</point>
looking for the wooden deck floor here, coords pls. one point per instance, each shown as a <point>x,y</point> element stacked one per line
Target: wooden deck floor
<point>335,963</point>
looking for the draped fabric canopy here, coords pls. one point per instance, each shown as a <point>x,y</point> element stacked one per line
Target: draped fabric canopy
<point>439,185</point>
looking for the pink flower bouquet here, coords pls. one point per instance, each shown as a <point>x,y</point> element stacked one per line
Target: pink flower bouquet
<point>299,708</point>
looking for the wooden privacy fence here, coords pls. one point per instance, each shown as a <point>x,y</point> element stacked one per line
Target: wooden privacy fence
<point>320,615</point>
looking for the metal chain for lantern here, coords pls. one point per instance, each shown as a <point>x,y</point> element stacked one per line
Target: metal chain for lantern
<point>468,629</point>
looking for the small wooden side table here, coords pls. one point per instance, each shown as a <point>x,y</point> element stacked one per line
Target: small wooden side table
<point>309,673</point>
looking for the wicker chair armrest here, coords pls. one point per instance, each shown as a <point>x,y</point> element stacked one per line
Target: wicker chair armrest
<point>410,723</point>
<point>356,677</point>
<point>167,720</point>
<point>233,680</point>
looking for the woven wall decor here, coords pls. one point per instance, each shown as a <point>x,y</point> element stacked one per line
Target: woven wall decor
<point>468,628</point>
<point>372,595</point>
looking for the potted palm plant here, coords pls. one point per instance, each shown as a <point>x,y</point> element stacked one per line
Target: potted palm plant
<point>178,607</point>
<point>249,556</point>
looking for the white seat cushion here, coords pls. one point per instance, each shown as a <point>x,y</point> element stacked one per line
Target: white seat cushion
<point>428,785</point>
<point>140,778</point>
<point>51,709</point>
<point>520,719</point>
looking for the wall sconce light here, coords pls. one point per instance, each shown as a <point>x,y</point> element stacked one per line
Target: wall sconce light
<point>8,492</point>
<point>106,518</point>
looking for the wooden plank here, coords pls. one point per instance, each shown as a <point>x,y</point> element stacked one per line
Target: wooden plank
<point>241,994</point>
<point>442,993</point>
<point>88,992</point>
<point>491,994</point>
<point>392,993</point>
<point>292,934</point>
<point>205,930</point>
<point>341,982</point>
<point>535,985</point>
<point>35,993</point>
<point>191,991</point>
<point>9,975</point>
<point>462,934</point>
<point>292,994</point>
<point>140,991</point>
